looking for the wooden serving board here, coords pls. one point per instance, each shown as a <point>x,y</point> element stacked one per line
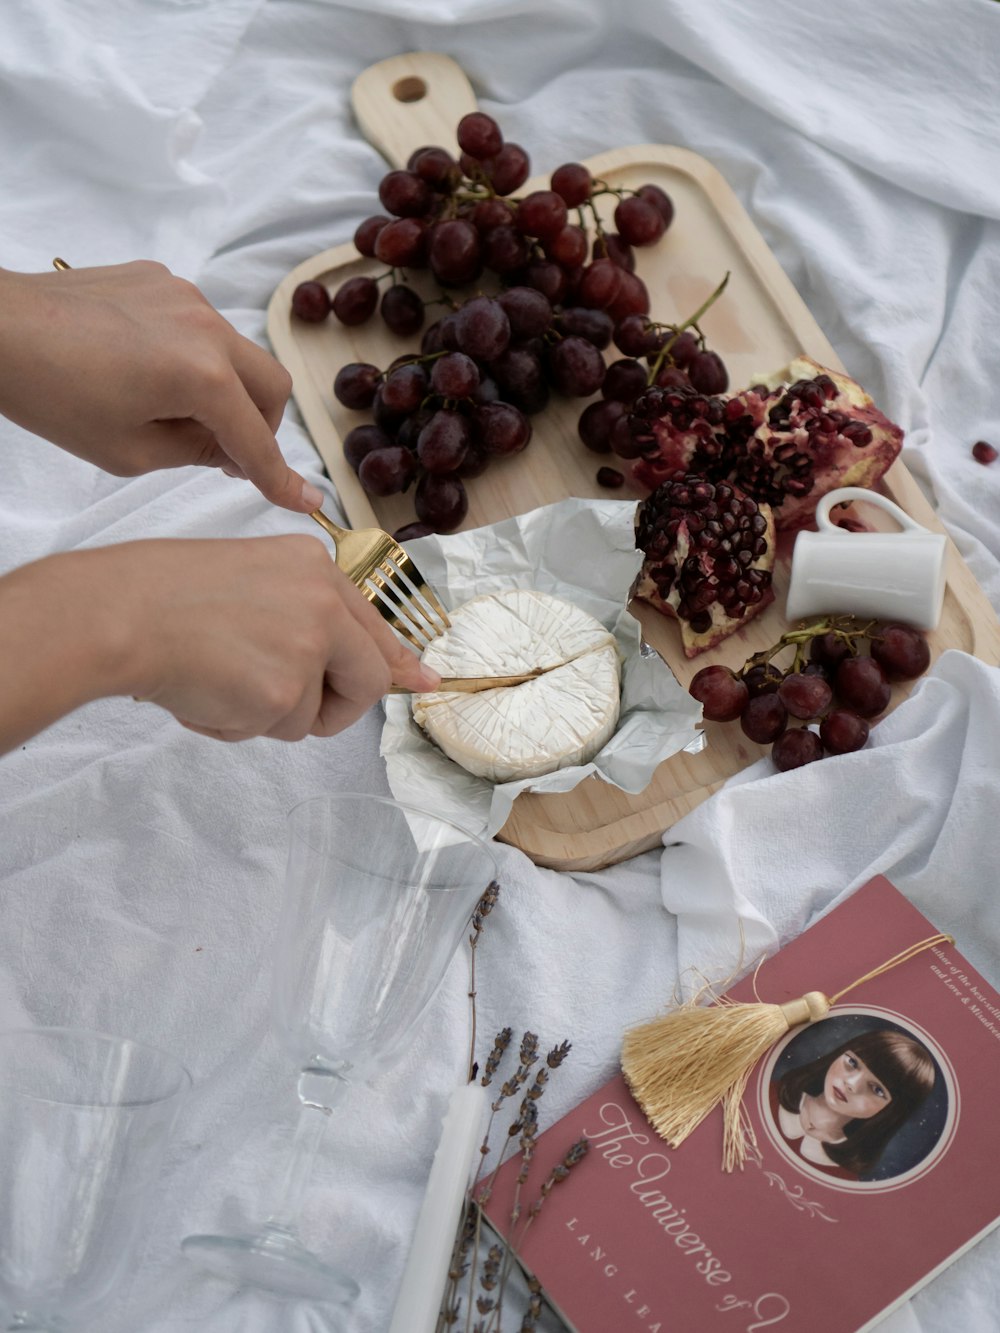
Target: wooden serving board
<point>757,326</point>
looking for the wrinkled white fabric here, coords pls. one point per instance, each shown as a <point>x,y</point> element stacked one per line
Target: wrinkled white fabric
<point>140,866</point>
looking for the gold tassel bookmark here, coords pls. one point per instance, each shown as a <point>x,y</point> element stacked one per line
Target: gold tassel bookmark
<point>680,1066</point>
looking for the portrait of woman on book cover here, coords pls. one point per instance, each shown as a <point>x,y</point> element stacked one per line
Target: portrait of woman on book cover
<point>857,1098</point>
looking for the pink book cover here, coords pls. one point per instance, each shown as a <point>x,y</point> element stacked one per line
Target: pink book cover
<point>835,1219</point>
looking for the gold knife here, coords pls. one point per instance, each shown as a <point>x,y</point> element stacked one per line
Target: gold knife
<point>473,684</point>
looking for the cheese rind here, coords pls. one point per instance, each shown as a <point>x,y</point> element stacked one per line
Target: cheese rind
<point>559,719</point>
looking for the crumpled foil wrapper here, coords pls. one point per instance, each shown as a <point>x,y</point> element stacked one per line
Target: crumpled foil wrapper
<point>584,552</point>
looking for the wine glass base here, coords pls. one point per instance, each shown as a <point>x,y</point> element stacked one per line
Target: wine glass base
<point>275,1261</point>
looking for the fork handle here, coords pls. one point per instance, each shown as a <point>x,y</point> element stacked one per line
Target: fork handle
<point>325,523</point>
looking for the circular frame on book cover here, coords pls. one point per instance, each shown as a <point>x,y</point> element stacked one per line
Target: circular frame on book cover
<point>905,1144</point>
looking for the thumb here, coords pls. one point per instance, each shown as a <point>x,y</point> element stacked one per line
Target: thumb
<point>408,670</point>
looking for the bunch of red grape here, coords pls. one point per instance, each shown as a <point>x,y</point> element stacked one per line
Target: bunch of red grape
<point>563,288</point>
<point>831,683</point>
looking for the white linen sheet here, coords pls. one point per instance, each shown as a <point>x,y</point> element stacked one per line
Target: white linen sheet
<point>140,865</point>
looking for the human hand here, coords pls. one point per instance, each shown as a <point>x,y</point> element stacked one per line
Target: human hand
<point>132,369</point>
<point>256,636</point>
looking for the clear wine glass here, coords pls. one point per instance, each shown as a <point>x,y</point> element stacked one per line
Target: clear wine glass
<point>377,896</point>
<point>84,1119</point>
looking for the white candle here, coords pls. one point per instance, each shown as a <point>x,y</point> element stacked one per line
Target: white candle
<point>422,1288</point>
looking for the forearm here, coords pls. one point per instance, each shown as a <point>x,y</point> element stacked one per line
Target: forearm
<point>61,646</point>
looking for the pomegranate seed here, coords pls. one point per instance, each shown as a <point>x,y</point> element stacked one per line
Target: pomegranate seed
<point>983,452</point>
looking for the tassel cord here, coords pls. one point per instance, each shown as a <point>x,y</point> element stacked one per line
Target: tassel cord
<point>903,957</point>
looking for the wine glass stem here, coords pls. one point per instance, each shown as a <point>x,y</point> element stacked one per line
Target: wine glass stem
<point>312,1122</point>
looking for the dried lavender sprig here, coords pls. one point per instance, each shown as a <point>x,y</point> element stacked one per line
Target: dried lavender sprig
<point>500,1043</point>
<point>574,1155</point>
<point>530,1321</point>
<point>484,907</point>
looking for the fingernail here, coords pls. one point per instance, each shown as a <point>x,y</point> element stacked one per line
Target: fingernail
<point>234,470</point>
<point>429,678</point>
<point>312,495</point>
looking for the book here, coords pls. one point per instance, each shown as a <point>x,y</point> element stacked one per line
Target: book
<point>875,1163</point>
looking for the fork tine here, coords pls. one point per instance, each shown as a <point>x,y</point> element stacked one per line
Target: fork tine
<point>399,567</point>
<point>399,610</point>
<point>385,610</point>
<point>418,583</point>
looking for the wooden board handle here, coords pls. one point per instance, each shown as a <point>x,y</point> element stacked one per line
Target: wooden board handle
<point>410,101</point>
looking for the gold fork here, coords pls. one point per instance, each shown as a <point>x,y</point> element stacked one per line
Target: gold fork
<point>379,567</point>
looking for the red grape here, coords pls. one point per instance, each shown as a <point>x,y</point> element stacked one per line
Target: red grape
<point>442,444</point>
<point>541,213</point>
<point>409,531</point>
<point>634,336</point>
<point>501,428</point>
<point>405,195</point>
<point>311,302</point>
<point>862,686</point>
<point>402,310</point>
<point>707,372</point>
<point>573,183</point>
<point>632,297</point>
<point>386,471</point>
<point>509,169</point>
<point>796,747</point>
<point>355,384</point>
<point>764,718</point>
<point>505,250</point>
<point>901,651</point>
<point>829,650</point>
<point>361,440</point>
<point>624,380</point>
<point>405,388</point>
<point>594,325</point>
<point>367,232</point>
<point>482,328</point>
<point>576,367</point>
<point>454,252</point>
<point>519,373</point>
<point>490,213</point>
<point>639,221</point>
<point>455,375</point>
<point>440,501</point>
<point>568,247</point>
<point>528,311</point>
<point>660,200</point>
<point>842,731</point>
<point>722,695</point>
<point>479,135</point>
<point>437,167</point>
<point>805,695</point>
<point>596,423</point>
<point>355,300</point>
<point>402,243</point>
<point>611,246</point>
<point>600,284</point>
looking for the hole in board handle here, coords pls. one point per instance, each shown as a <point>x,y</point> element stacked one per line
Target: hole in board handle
<point>410,89</point>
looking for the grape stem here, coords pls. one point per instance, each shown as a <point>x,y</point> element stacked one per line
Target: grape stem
<point>842,627</point>
<point>690,323</point>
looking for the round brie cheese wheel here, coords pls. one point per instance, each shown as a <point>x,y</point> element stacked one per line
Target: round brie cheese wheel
<point>523,731</point>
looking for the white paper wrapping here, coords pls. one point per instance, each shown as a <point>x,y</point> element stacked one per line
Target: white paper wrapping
<point>583,551</point>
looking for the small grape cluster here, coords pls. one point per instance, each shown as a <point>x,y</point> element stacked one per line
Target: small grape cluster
<point>831,682</point>
<point>567,288</point>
